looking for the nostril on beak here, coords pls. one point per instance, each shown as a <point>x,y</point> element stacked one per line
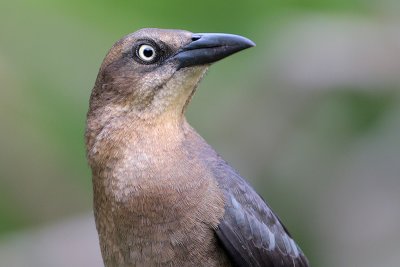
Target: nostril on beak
<point>195,37</point>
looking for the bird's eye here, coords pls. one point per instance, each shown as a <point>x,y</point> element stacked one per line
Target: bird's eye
<point>146,52</point>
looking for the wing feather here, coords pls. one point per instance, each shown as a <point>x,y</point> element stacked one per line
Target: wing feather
<point>250,232</point>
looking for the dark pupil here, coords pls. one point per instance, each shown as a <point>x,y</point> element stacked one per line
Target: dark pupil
<point>148,52</point>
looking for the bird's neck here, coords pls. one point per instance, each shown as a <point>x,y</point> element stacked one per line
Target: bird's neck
<point>108,140</point>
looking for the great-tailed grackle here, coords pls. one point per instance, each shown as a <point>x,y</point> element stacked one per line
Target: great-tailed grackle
<point>162,195</point>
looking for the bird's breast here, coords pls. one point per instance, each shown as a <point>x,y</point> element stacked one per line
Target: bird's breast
<point>157,206</point>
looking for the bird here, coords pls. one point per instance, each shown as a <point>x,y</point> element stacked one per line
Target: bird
<point>162,196</point>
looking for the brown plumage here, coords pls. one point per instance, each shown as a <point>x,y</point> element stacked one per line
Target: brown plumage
<point>162,195</point>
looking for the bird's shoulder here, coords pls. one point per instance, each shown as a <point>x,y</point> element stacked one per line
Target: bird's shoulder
<point>250,231</point>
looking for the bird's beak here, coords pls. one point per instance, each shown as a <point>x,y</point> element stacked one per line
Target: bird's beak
<point>207,48</point>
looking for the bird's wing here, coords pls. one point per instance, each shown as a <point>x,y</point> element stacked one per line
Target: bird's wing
<point>250,232</point>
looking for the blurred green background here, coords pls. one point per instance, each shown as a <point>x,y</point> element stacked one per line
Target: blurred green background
<point>311,116</point>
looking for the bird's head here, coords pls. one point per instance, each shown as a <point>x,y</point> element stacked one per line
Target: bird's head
<point>154,71</point>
